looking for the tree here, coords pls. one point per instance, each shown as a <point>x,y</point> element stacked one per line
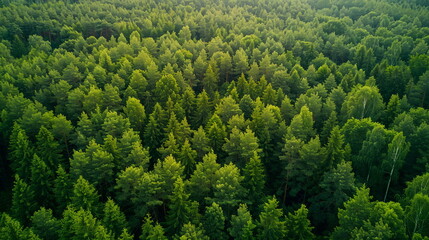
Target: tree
<point>203,111</point>
<point>48,149</point>
<point>303,173</point>
<point>113,219</point>
<point>416,215</point>
<point>169,147</point>
<point>191,232</point>
<point>242,226</point>
<point>41,177</point>
<point>84,196</point>
<point>135,112</point>
<point>81,224</point>
<point>95,165</point>
<point>168,170</point>
<point>200,142</point>
<point>298,226</point>
<point>166,87</point>
<point>20,152</point>
<point>187,157</point>
<point>180,208</point>
<point>139,83</point>
<point>45,225</point>
<point>241,146</point>
<point>363,102</point>
<point>397,151</point>
<point>228,190</point>
<point>111,98</point>
<point>210,81</point>
<point>151,231</point>
<point>356,211</point>
<point>240,62</point>
<point>10,228</point>
<point>270,224</point>
<point>335,152</point>
<point>214,222</point>
<point>203,179</point>
<point>254,179</point>
<point>62,189</point>
<point>23,200</point>
<point>301,125</point>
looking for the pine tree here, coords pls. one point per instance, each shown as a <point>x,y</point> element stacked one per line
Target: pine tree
<point>270,226</point>
<point>214,222</point>
<point>125,235</point>
<point>254,179</point>
<point>180,208</point>
<point>204,177</point>
<point>135,112</point>
<point>187,157</point>
<point>23,200</point>
<point>200,142</point>
<point>191,232</point>
<point>84,196</point>
<point>11,229</point>
<point>20,152</point>
<point>41,178</point>
<point>169,147</point>
<point>62,189</point>
<point>301,125</point>
<point>45,225</point>
<point>228,190</point>
<point>113,219</point>
<point>241,146</point>
<point>210,81</point>
<point>335,148</point>
<point>203,111</point>
<point>48,149</point>
<point>242,225</point>
<point>298,226</point>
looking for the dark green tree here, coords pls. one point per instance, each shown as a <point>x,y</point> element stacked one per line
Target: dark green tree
<point>270,224</point>
<point>298,226</point>
<point>23,200</point>
<point>214,222</point>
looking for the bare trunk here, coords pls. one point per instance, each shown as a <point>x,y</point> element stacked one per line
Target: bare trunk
<point>395,157</point>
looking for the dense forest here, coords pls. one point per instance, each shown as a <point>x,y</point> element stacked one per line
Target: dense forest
<point>210,119</point>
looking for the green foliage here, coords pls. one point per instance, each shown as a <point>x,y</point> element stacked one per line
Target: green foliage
<point>214,222</point>
<point>84,196</point>
<point>45,225</point>
<point>180,207</point>
<point>298,226</point>
<point>242,226</point>
<point>270,223</point>
<point>113,219</point>
<point>187,110</point>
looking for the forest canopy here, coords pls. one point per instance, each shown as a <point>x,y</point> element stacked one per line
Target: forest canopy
<point>198,119</point>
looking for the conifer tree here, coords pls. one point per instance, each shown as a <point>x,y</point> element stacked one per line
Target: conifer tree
<point>85,196</point>
<point>23,200</point>
<point>270,224</point>
<point>48,149</point>
<point>298,226</point>
<point>41,178</point>
<point>180,208</point>
<point>254,179</point>
<point>20,152</point>
<point>62,189</point>
<point>187,157</point>
<point>113,219</point>
<point>191,232</point>
<point>242,225</point>
<point>45,225</point>
<point>214,222</point>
